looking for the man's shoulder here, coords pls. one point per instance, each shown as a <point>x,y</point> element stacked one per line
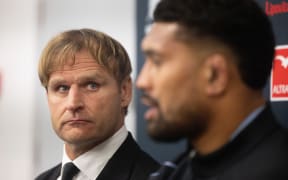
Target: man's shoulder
<point>274,146</point>
<point>268,159</point>
<point>131,148</point>
<point>50,174</point>
<point>129,162</point>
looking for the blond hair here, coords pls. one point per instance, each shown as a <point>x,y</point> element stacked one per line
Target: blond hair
<point>105,50</point>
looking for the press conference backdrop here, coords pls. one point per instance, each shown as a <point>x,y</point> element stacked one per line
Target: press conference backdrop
<point>28,142</point>
<point>276,89</point>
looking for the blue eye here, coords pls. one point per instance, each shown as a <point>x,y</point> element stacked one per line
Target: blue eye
<point>92,85</point>
<point>62,88</point>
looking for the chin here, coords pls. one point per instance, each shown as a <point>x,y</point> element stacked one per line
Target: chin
<point>164,136</point>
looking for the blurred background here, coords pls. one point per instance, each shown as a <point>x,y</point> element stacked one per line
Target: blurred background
<point>27,141</point>
<point>28,144</point>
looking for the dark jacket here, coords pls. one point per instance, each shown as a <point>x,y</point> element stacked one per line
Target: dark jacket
<point>260,151</point>
<point>128,163</point>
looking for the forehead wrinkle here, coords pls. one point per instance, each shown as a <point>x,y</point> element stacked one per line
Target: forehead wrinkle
<point>81,66</point>
<point>60,78</point>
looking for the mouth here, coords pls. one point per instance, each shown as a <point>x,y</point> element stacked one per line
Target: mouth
<point>72,122</point>
<point>151,113</point>
<point>152,105</point>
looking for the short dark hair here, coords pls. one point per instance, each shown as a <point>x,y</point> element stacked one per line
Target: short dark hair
<point>241,25</point>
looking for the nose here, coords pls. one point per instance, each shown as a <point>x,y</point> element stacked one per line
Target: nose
<point>74,99</point>
<point>143,81</point>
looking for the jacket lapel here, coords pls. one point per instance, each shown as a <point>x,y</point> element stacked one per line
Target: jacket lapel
<point>120,166</point>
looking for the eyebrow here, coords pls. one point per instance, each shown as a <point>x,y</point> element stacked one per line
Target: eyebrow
<point>86,77</point>
<point>151,53</point>
<point>56,80</point>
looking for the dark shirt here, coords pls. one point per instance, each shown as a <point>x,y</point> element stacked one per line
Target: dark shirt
<point>260,151</point>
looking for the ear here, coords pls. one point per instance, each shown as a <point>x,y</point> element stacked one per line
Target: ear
<point>126,92</point>
<point>216,74</point>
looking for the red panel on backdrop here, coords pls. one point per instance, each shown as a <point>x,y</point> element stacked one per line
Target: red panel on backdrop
<point>279,76</point>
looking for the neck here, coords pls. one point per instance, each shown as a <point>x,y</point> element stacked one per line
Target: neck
<point>74,151</point>
<point>226,118</point>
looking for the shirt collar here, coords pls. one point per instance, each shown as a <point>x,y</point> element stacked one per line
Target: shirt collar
<point>92,162</point>
<point>248,120</point>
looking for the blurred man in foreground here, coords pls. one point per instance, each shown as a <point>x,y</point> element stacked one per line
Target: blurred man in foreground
<point>207,62</point>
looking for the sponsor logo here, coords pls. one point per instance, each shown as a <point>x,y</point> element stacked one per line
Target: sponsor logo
<point>279,75</point>
<point>276,8</point>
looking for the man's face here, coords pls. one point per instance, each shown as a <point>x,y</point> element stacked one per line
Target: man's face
<point>85,101</point>
<point>172,83</point>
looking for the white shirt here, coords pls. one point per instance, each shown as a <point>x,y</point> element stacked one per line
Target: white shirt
<point>92,162</point>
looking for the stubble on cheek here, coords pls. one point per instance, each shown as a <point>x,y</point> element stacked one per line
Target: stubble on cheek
<point>177,122</point>
<point>162,129</point>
